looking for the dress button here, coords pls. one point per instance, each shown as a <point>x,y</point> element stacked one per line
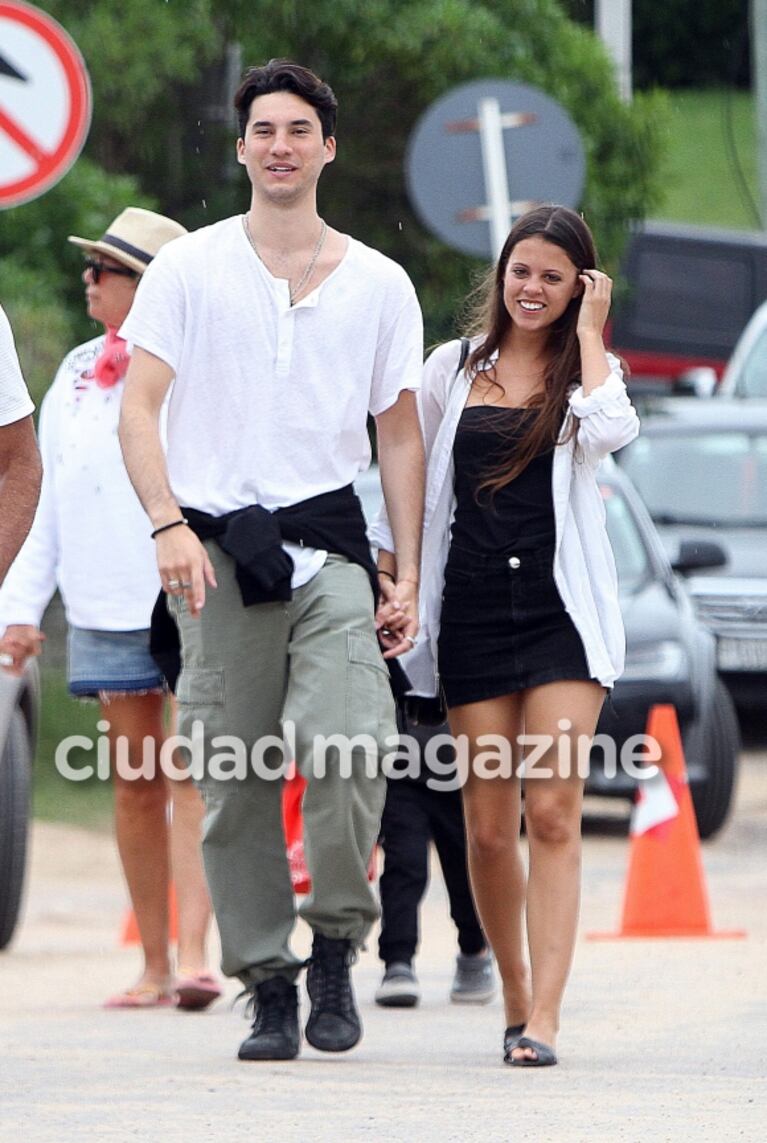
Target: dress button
<point>514,562</point>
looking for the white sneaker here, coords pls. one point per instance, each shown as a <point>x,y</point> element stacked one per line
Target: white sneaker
<point>399,987</point>
<point>474,980</point>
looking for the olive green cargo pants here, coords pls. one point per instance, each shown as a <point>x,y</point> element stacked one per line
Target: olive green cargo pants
<point>313,662</point>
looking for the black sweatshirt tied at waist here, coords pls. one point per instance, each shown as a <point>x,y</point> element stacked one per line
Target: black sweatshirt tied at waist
<point>253,537</point>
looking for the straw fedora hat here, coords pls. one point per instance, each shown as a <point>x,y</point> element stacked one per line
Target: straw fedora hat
<point>134,237</point>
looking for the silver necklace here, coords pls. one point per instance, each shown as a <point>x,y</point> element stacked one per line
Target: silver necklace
<point>293,293</point>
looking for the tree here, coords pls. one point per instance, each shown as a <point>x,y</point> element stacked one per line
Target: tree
<point>684,43</point>
<point>389,59</point>
<point>40,271</point>
<point>162,91</point>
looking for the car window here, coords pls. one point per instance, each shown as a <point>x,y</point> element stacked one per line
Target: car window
<point>706,478</point>
<point>368,488</point>
<point>631,560</point>
<point>752,379</point>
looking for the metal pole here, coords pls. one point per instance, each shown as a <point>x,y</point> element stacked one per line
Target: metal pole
<point>759,62</point>
<point>494,166</point>
<point>613,24</point>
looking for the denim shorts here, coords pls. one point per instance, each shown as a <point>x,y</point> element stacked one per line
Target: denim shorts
<point>116,662</point>
<point>504,627</point>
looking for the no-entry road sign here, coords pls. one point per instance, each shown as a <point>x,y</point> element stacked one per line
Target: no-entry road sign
<point>45,102</point>
<point>484,153</point>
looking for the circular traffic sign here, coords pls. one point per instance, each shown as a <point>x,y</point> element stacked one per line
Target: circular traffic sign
<point>456,150</point>
<point>45,102</point>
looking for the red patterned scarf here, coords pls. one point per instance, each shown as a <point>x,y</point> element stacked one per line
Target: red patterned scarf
<point>112,363</point>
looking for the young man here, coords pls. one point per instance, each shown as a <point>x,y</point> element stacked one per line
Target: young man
<point>280,335</point>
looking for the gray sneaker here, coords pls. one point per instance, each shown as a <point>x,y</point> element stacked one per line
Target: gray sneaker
<point>399,987</point>
<point>474,980</point>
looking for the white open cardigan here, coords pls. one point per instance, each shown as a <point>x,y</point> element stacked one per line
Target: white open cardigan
<point>584,568</point>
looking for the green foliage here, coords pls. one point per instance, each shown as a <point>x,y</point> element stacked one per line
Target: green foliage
<point>163,80</point>
<point>712,170</point>
<point>42,324</point>
<point>40,284</point>
<point>389,59</point>
<point>54,798</point>
<point>691,43</point>
<point>683,43</point>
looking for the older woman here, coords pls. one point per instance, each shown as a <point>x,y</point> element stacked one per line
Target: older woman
<point>91,538</point>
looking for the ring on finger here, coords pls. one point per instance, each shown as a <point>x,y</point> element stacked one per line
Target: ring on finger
<point>175,583</point>
<point>410,640</point>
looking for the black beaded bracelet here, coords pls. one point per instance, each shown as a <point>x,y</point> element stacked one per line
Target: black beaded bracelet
<point>387,573</point>
<point>173,524</point>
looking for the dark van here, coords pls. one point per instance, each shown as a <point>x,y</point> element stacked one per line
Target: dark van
<point>689,292</point>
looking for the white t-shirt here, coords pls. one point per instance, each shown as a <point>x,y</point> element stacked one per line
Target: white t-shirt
<point>15,401</point>
<point>90,535</point>
<point>270,401</point>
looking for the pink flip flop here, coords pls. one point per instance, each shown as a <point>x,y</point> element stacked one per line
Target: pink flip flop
<point>142,996</point>
<point>196,991</point>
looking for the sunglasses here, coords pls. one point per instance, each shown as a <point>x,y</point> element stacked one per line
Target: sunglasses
<point>98,268</point>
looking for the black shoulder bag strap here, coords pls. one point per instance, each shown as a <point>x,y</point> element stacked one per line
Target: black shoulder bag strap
<point>464,354</point>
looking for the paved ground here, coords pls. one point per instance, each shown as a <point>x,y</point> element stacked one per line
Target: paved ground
<point>660,1039</point>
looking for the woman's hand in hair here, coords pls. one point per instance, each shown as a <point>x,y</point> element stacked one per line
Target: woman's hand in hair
<point>595,302</point>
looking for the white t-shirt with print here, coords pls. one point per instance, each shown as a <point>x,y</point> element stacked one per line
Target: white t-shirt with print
<point>15,401</point>
<point>90,536</point>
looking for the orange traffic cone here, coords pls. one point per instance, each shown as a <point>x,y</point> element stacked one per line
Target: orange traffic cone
<point>293,827</point>
<point>130,933</point>
<point>665,888</point>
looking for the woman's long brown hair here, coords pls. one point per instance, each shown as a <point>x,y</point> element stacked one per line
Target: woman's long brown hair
<point>490,320</point>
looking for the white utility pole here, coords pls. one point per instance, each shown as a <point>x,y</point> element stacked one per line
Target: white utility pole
<point>499,211</point>
<point>613,24</point>
<point>496,179</point>
<point>759,65</point>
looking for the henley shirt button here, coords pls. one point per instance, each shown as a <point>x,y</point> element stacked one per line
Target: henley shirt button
<point>514,562</point>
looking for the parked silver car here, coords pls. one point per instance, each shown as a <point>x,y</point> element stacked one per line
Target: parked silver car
<point>670,658</point>
<point>701,469</point>
<point>19,711</point>
<point>746,372</point>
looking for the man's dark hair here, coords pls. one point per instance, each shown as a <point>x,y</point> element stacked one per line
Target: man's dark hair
<point>284,75</point>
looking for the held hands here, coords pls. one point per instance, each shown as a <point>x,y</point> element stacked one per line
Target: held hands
<point>184,567</point>
<point>397,616</point>
<point>20,642</point>
<point>595,302</point>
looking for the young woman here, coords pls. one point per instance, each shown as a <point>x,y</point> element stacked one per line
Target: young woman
<point>519,605</point>
<point>90,538</point>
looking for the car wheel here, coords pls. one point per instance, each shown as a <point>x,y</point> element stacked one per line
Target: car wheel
<point>712,798</point>
<point>15,771</point>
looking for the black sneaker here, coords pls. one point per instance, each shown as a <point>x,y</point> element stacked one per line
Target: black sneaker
<point>334,1022</point>
<point>275,1034</point>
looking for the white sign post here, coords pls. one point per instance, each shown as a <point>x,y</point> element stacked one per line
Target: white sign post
<point>483,154</point>
<point>613,24</point>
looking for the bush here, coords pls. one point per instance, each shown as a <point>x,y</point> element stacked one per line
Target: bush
<point>388,60</point>
<point>42,323</point>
